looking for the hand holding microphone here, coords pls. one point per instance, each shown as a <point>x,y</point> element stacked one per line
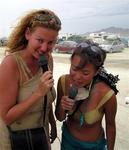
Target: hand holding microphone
<point>69,101</point>
<point>47,80</point>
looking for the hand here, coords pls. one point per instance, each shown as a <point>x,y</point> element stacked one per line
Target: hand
<point>53,133</point>
<point>46,82</point>
<point>67,103</point>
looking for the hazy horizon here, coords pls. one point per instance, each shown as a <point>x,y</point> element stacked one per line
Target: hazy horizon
<point>77,17</point>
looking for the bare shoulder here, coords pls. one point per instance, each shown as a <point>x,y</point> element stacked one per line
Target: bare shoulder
<point>101,92</point>
<point>100,89</point>
<point>9,60</point>
<point>8,64</point>
<point>8,68</point>
<point>9,79</point>
<point>104,90</point>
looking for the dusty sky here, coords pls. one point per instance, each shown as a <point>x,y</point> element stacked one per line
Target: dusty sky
<point>77,16</point>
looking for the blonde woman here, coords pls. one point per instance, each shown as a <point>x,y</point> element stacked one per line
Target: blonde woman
<point>26,91</point>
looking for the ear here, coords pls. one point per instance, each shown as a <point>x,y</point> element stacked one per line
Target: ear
<point>27,33</point>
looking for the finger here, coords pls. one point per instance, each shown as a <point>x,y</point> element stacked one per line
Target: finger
<point>68,103</point>
<point>46,76</point>
<point>52,140</point>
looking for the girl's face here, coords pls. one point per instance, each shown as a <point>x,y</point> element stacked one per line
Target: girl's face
<point>41,41</point>
<point>81,77</point>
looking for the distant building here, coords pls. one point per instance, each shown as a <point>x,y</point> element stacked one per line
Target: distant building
<point>102,36</point>
<point>65,35</point>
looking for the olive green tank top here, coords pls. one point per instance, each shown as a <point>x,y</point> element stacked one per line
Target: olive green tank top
<point>34,117</point>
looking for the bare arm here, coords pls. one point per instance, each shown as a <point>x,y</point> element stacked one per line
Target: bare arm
<point>59,111</point>
<point>63,104</point>
<point>9,86</point>
<point>53,132</point>
<point>110,113</point>
<point>110,108</point>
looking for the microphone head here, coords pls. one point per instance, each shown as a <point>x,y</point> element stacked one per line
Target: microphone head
<point>43,60</point>
<point>73,91</point>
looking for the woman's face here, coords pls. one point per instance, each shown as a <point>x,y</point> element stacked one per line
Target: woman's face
<point>41,41</point>
<point>81,77</point>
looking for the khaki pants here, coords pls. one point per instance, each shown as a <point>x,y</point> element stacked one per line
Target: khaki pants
<point>4,137</point>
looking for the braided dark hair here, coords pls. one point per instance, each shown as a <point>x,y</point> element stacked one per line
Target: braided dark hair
<point>108,78</point>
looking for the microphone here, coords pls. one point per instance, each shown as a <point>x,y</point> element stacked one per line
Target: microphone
<point>43,63</point>
<point>73,91</point>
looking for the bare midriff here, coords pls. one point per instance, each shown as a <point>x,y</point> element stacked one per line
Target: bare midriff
<point>89,133</point>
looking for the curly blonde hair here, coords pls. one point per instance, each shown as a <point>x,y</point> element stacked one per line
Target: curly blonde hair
<point>34,18</point>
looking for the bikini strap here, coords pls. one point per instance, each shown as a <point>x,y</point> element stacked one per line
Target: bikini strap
<point>105,98</point>
<point>63,84</point>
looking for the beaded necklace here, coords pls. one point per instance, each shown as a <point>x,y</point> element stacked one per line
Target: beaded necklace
<point>82,119</point>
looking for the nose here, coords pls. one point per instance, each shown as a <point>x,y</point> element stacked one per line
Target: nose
<point>44,47</point>
<point>77,77</point>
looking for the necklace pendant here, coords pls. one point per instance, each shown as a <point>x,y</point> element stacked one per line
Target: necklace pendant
<point>81,119</point>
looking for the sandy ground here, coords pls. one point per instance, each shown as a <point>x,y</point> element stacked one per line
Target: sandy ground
<point>116,63</point>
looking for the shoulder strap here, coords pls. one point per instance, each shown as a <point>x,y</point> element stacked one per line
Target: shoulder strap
<point>23,69</point>
<point>106,97</point>
<point>63,84</point>
<point>50,62</point>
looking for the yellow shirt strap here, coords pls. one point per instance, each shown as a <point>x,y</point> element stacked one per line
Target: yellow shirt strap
<point>106,97</point>
<point>63,84</point>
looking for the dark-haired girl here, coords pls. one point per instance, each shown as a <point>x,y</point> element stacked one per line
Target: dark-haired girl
<point>96,99</point>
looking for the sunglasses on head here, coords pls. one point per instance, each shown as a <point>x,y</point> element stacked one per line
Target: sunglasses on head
<point>90,45</point>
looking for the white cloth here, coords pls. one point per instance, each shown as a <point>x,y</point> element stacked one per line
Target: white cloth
<point>83,93</point>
